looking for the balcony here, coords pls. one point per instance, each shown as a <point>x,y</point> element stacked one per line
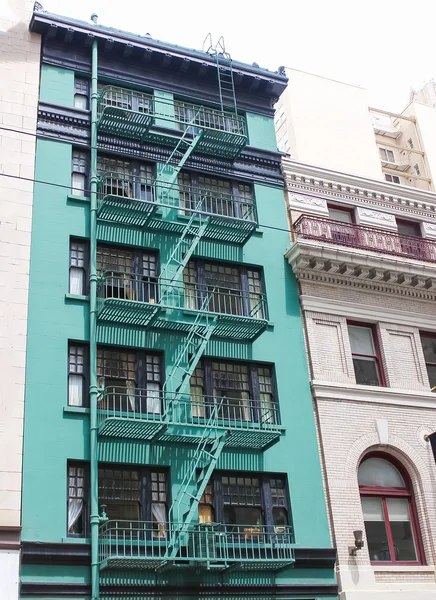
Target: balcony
<point>363,256</point>
<point>396,165</point>
<point>142,117</point>
<point>138,300</point>
<point>207,546</point>
<point>134,200</point>
<point>386,129</point>
<point>153,414</point>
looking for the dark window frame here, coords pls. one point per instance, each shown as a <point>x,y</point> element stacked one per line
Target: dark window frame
<point>80,164</point>
<point>377,350</point>
<point>392,178</point>
<point>85,268</point>
<point>415,225</point>
<point>86,498</point>
<point>345,209</point>
<point>82,87</point>
<point>386,492</point>
<point>215,493</point>
<point>85,387</point>
<point>428,334</point>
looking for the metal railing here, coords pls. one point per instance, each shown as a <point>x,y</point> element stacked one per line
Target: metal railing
<point>364,237</point>
<point>127,190</point>
<point>152,290</point>
<point>149,541</point>
<point>180,113</point>
<point>139,404</point>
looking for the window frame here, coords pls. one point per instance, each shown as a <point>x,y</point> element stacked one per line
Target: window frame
<point>80,164</point>
<point>85,268</point>
<point>386,492</point>
<point>345,209</point>
<point>431,334</point>
<point>415,224</point>
<point>386,152</point>
<point>86,498</point>
<point>266,505</point>
<point>85,375</point>
<point>377,350</point>
<point>82,88</point>
<point>393,177</point>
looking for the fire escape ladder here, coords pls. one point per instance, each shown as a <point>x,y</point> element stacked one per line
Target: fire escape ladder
<point>183,149</point>
<point>184,509</point>
<point>226,83</point>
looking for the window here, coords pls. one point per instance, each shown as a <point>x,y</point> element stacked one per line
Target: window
<point>81,93</point>
<point>410,142</point>
<point>217,196</point>
<point>429,348</point>
<point>131,379</point>
<point>187,115</point>
<point>77,499</point>
<point>126,179</point>
<point>242,391</point>
<point>246,501</point>
<point>392,178</point>
<point>78,380</point>
<point>387,155</point>
<point>135,494</point>
<point>126,99</point>
<point>365,355</point>
<point>129,274</point>
<point>417,171</point>
<point>78,266</point>
<point>224,288</point>
<point>412,228</point>
<point>79,178</point>
<point>389,512</point>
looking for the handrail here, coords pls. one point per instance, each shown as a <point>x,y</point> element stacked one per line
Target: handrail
<point>200,541</point>
<point>365,237</point>
<point>126,187</point>
<point>141,404</point>
<point>179,112</point>
<point>189,296</point>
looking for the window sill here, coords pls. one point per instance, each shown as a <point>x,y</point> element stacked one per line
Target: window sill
<point>76,540</point>
<point>406,568</point>
<point>76,298</point>
<point>78,410</point>
<point>78,199</point>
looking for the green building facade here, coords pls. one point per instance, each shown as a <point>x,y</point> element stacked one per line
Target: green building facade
<point>170,445</point>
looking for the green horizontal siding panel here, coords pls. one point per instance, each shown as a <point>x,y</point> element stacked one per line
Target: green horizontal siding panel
<point>55,573</point>
<point>57,85</point>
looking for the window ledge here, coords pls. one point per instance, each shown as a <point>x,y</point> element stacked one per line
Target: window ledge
<point>76,298</point>
<point>78,199</point>
<point>78,410</point>
<point>405,568</point>
<point>76,540</point>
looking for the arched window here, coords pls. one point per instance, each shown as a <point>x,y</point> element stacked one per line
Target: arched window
<point>389,512</point>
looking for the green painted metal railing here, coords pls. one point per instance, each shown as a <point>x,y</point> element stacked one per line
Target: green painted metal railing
<point>133,200</point>
<point>137,299</point>
<point>139,544</point>
<point>134,413</point>
<point>132,114</point>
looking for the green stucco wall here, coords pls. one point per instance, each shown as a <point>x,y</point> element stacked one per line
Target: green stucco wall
<point>57,85</point>
<point>261,132</point>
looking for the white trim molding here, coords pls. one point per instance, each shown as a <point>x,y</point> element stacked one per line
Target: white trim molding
<point>325,390</point>
<point>322,262</point>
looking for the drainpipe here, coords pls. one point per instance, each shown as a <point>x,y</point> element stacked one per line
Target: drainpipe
<point>93,389</point>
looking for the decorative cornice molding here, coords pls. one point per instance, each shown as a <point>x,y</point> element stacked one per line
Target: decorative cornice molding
<point>356,191</point>
<point>337,265</point>
<point>324,390</point>
<point>10,537</point>
<point>371,313</point>
<point>72,125</point>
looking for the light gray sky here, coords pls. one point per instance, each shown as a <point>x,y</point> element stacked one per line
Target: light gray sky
<point>386,46</point>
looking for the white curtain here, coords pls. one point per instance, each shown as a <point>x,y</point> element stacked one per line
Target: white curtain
<point>153,398</point>
<point>75,390</point>
<point>75,508</point>
<point>76,281</point>
<point>130,386</point>
<point>159,512</point>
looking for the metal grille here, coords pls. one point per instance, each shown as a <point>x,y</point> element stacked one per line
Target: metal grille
<point>125,99</point>
<point>115,365</point>
<point>76,359</point>
<point>241,491</point>
<point>114,259</point>
<point>118,484</point>
<point>230,376</point>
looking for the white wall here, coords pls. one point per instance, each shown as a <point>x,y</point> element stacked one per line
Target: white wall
<point>328,125</point>
<point>426,127</point>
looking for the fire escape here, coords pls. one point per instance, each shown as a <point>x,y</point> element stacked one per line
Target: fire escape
<point>162,206</point>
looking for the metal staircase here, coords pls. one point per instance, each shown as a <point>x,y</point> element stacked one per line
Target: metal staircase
<point>185,146</point>
<point>184,509</point>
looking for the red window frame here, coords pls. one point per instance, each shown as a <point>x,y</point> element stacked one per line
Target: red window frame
<point>377,355</point>
<point>385,492</point>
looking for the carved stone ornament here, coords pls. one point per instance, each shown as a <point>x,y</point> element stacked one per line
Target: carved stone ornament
<point>308,204</point>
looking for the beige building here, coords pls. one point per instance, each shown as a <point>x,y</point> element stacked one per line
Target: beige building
<point>364,254</point>
<point>19,78</point>
<point>327,123</point>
